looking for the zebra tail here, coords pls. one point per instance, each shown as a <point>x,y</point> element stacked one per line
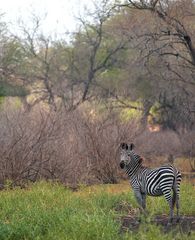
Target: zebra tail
<point>175,186</point>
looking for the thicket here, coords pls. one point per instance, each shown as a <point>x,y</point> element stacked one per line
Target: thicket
<point>65,146</point>
<point>75,147</point>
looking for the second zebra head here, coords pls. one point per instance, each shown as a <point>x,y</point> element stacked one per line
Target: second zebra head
<point>128,158</point>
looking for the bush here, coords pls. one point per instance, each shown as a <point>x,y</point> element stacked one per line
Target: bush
<point>67,146</point>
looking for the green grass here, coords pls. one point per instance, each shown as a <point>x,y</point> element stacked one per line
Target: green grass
<point>50,211</point>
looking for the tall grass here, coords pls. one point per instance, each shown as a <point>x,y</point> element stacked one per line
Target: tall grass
<point>50,211</point>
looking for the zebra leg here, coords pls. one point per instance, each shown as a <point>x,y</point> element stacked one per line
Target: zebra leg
<point>144,201</point>
<point>177,206</point>
<point>168,197</point>
<point>144,205</point>
<point>141,200</point>
<point>177,196</point>
<point>177,201</point>
<point>174,197</point>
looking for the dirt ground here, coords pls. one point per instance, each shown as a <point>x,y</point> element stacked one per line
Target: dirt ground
<point>185,225</point>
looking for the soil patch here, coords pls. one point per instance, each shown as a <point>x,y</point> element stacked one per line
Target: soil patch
<point>185,225</point>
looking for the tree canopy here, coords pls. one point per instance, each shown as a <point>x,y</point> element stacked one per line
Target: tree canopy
<point>137,51</point>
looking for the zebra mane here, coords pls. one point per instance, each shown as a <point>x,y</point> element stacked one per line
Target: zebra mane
<point>138,157</point>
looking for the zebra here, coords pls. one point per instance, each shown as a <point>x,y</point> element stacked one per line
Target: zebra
<point>153,182</point>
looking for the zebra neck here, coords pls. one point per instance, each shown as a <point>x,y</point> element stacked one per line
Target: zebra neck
<point>131,171</point>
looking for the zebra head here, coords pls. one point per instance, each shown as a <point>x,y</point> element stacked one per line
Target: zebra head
<point>128,157</point>
<point>125,156</point>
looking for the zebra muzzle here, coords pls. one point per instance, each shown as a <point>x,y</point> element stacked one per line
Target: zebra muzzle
<point>122,164</point>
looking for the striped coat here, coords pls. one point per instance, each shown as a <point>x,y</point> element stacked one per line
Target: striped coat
<point>164,180</point>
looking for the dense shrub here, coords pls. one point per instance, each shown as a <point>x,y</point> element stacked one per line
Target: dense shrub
<point>69,146</point>
<point>73,147</point>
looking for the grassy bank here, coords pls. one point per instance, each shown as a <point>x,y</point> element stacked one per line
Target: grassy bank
<point>50,211</point>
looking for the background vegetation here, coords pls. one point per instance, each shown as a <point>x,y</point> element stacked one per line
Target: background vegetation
<point>127,74</point>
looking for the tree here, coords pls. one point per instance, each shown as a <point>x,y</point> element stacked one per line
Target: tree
<point>71,73</point>
<point>44,66</point>
<point>169,41</point>
<point>11,58</point>
<point>95,50</point>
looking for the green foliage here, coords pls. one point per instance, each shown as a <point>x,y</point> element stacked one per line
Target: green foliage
<point>1,99</point>
<point>113,79</point>
<point>50,211</point>
<point>127,114</point>
<point>7,89</point>
<point>143,87</point>
<point>13,54</point>
<point>155,112</point>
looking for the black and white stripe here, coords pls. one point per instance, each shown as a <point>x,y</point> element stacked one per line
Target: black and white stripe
<point>164,180</point>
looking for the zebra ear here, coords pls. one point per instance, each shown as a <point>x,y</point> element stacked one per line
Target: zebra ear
<point>131,146</point>
<point>124,146</point>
